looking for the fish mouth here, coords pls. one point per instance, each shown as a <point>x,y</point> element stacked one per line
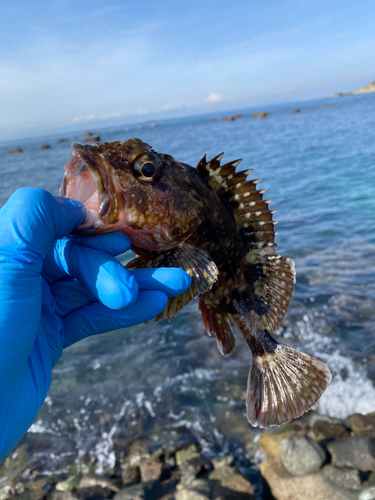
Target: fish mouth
<point>86,180</point>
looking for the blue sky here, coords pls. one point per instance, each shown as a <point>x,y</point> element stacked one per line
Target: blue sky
<point>75,63</point>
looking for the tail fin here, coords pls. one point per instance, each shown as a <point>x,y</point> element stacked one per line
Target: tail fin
<point>283,384</point>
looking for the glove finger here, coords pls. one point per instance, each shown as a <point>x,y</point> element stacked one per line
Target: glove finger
<point>31,220</point>
<point>94,319</point>
<point>113,243</point>
<point>173,281</point>
<point>108,280</point>
<point>70,294</point>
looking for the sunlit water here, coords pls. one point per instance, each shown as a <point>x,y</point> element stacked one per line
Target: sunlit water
<point>168,379</point>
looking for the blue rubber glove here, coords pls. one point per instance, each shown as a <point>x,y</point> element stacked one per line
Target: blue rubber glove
<point>55,291</point>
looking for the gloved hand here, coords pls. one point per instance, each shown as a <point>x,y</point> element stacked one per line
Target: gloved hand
<point>55,291</point>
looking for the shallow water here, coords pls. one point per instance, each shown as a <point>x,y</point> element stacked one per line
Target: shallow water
<point>164,379</point>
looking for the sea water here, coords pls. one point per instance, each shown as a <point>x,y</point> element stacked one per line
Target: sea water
<point>163,380</point>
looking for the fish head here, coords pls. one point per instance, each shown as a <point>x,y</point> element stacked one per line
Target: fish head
<point>129,187</point>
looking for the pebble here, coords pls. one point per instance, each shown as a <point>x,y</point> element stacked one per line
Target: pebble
<point>343,476</point>
<point>357,452</point>
<point>300,455</point>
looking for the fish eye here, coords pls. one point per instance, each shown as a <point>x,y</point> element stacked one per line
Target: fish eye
<point>148,168</point>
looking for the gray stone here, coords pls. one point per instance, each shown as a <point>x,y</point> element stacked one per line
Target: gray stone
<point>68,484</point>
<point>358,422</point>
<point>199,489</point>
<point>233,488</point>
<point>283,486</point>
<point>343,476</point>
<point>93,493</point>
<point>153,470</point>
<point>130,475</point>
<point>300,455</point>
<point>190,495</point>
<point>222,472</point>
<point>141,491</point>
<point>31,495</point>
<point>357,452</point>
<point>186,454</point>
<point>220,461</point>
<point>62,495</point>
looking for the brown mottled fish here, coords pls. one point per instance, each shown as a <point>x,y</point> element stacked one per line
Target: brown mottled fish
<point>212,222</point>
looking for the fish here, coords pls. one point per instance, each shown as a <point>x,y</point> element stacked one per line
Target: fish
<point>213,222</point>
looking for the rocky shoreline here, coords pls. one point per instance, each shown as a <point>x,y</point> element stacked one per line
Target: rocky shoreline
<point>315,457</point>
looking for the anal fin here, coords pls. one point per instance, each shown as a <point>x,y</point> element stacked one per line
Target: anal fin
<point>217,322</point>
<point>283,384</point>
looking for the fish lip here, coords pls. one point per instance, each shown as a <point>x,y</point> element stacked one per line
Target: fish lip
<point>105,205</point>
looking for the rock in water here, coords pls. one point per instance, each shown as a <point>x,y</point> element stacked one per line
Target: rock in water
<point>15,151</point>
<point>261,115</point>
<point>300,455</point>
<point>357,452</point>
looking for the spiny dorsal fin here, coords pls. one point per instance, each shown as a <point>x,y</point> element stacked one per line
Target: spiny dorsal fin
<point>246,201</point>
<point>220,177</point>
<point>275,276</point>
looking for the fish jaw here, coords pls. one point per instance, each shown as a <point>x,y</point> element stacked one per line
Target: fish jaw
<point>86,180</point>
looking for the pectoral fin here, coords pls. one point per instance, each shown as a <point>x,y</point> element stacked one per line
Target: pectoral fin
<point>193,260</point>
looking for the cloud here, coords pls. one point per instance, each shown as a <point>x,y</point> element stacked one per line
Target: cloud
<point>116,114</point>
<point>213,98</point>
<point>86,118</point>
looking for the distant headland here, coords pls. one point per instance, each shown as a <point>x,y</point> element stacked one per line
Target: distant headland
<point>363,90</point>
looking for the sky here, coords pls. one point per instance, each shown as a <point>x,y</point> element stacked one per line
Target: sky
<point>68,64</point>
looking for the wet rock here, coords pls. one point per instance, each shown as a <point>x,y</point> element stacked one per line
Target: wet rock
<point>300,455</point>
<point>190,495</point>
<point>68,484</point>
<point>199,489</point>
<point>138,450</point>
<point>261,115</point>
<point>15,151</point>
<point>188,475</point>
<point>233,117</point>
<point>45,146</point>
<point>358,422</point>
<point>283,486</point>
<point>220,461</point>
<point>324,106</point>
<point>153,470</point>
<point>141,491</point>
<point>296,110</point>
<point>62,495</point>
<point>62,140</point>
<point>91,137</point>
<point>233,488</point>
<point>30,495</point>
<point>186,454</point>
<point>130,475</point>
<point>356,452</point>
<point>323,429</point>
<point>90,480</point>
<point>222,473</point>
<point>343,476</point>
<point>93,493</point>
<point>270,443</point>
